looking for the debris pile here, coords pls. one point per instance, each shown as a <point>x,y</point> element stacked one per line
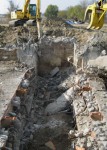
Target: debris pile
<point>90,120</point>
<point>57,104</point>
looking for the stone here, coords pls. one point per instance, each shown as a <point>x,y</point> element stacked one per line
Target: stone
<point>103,53</point>
<point>25,83</point>
<point>89,144</point>
<point>89,105</point>
<point>105,96</point>
<point>50,145</point>
<point>86,131</point>
<point>3,139</point>
<point>103,138</point>
<point>79,148</point>
<point>92,109</point>
<point>61,102</point>
<point>16,102</point>
<point>54,71</point>
<point>105,144</point>
<point>71,134</point>
<point>97,130</point>
<point>78,134</point>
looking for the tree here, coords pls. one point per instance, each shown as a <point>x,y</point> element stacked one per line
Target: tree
<point>12,7</point>
<point>62,14</point>
<point>75,12</point>
<point>51,11</point>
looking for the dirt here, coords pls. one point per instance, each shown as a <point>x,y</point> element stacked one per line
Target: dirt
<point>10,36</point>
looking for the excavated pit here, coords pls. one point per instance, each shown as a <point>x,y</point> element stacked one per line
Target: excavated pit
<point>48,74</point>
<point>51,128</point>
<point>49,109</point>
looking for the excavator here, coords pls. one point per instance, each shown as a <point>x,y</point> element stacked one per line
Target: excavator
<point>29,15</point>
<point>95,14</point>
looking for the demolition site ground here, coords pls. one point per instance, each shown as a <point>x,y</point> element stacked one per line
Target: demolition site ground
<point>53,91</point>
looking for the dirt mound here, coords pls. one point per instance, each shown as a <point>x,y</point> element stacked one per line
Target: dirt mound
<point>55,23</point>
<point>13,36</point>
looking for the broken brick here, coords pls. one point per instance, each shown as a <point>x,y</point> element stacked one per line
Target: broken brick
<point>86,88</point>
<point>93,134</point>
<point>7,121</point>
<point>79,148</point>
<point>21,91</point>
<point>96,116</point>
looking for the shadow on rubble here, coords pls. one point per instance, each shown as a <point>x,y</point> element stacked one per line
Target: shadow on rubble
<point>51,130</point>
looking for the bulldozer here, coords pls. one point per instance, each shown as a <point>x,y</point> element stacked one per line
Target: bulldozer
<point>95,14</point>
<point>29,15</point>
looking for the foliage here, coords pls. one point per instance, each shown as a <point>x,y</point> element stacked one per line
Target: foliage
<point>75,12</point>
<point>51,11</point>
<point>62,14</point>
<point>72,12</point>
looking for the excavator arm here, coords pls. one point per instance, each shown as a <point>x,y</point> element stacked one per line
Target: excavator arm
<point>38,18</point>
<point>38,14</point>
<point>95,13</point>
<point>25,7</point>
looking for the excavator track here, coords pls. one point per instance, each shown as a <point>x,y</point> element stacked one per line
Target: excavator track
<point>15,23</point>
<point>31,22</point>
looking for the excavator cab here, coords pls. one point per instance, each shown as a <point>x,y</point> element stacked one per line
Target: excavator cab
<point>95,14</point>
<point>32,11</point>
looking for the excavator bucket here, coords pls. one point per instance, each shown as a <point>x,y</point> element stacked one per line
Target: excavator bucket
<point>95,17</point>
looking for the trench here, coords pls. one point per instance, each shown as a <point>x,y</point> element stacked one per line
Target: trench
<point>51,76</point>
<point>47,127</point>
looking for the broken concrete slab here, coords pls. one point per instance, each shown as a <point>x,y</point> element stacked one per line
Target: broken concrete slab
<point>61,103</point>
<point>100,62</point>
<point>54,71</point>
<point>10,82</point>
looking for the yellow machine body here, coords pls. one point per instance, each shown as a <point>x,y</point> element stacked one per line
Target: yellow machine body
<point>20,15</point>
<point>28,11</point>
<point>95,13</point>
<point>29,15</point>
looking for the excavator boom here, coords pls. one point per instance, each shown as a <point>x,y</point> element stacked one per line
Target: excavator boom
<point>25,7</point>
<point>95,13</point>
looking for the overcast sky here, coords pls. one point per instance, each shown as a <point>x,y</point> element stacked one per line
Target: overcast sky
<point>62,4</point>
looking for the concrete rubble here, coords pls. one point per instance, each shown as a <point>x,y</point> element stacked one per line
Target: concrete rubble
<point>53,91</point>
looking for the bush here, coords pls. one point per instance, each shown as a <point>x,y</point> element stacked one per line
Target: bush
<point>51,11</point>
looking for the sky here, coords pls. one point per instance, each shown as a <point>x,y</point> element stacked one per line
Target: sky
<point>62,4</point>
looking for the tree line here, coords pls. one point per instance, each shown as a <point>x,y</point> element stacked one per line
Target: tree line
<point>73,12</point>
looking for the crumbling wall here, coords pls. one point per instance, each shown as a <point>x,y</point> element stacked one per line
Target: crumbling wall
<point>54,52</point>
<point>94,46</point>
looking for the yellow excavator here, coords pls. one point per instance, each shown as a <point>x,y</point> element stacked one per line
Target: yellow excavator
<point>95,13</point>
<point>29,15</point>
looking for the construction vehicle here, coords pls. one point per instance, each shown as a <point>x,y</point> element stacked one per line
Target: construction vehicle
<point>95,13</point>
<point>29,15</point>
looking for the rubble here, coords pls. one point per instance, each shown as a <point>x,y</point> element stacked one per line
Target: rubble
<point>58,99</point>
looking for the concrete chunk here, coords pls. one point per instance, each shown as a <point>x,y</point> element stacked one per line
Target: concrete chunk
<point>54,71</point>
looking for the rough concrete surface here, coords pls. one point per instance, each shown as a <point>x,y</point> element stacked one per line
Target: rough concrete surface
<point>9,82</point>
